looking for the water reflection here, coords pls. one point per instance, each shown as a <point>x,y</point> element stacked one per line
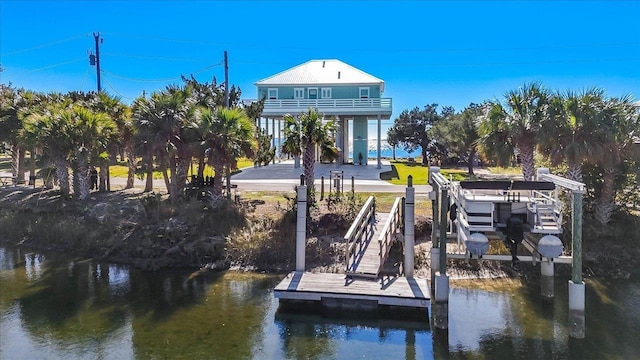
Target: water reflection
<point>59,308</point>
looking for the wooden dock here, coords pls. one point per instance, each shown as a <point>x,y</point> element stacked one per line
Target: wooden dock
<point>334,290</point>
<point>361,287</point>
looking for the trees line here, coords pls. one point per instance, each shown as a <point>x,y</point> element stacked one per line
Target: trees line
<point>167,130</point>
<point>584,132</point>
<point>593,138</point>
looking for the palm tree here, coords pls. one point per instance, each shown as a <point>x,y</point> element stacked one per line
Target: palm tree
<point>229,135</point>
<point>10,124</point>
<point>121,115</point>
<point>50,129</point>
<point>89,132</point>
<point>495,143</point>
<point>312,132</point>
<point>520,120</point>
<point>160,121</point>
<point>619,126</point>
<point>570,131</point>
<point>15,106</point>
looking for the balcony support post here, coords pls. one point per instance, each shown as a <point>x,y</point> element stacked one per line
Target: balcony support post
<point>379,162</point>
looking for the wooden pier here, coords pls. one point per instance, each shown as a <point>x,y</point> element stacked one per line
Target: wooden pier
<point>361,286</point>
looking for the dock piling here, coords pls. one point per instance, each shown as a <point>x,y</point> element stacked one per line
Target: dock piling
<point>301,226</point>
<point>546,280</point>
<point>409,229</point>
<point>440,307</point>
<point>576,285</point>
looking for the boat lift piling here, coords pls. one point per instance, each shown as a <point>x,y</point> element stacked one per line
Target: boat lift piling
<point>440,198</point>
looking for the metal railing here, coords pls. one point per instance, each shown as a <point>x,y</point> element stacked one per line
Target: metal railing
<point>391,226</point>
<point>378,103</point>
<point>360,227</point>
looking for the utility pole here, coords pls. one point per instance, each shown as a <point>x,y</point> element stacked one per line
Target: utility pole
<point>96,59</point>
<point>226,79</point>
<point>226,104</point>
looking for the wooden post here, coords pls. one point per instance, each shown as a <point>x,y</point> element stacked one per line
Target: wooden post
<point>322,188</point>
<point>434,207</point>
<point>353,186</point>
<point>301,228</point>
<point>576,233</point>
<point>435,250</point>
<point>440,308</point>
<point>409,229</point>
<point>576,285</point>
<point>443,230</point>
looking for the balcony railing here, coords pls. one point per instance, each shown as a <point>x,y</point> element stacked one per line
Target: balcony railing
<point>329,106</point>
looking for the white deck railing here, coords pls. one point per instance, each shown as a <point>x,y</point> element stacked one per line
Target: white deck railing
<point>360,227</point>
<point>330,103</point>
<point>391,227</point>
<point>371,103</point>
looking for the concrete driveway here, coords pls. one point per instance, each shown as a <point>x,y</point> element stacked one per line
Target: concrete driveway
<point>283,177</point>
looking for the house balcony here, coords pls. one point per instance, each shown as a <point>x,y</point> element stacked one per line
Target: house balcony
<point>371,107</point>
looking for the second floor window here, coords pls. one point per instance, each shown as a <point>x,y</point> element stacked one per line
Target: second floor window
<point>272,94</point>
<point>325,93</point>
<point>364,93</point>
<point>298,93</point>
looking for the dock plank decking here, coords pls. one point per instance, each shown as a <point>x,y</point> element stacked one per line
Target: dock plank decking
<point>397,291</point>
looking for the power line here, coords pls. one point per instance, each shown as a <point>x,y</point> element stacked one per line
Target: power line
<point>153,57</point>
<point>114,89</point>
<point>49,66</point>
<point>84,78</point>
<point>44,45</point>
<point>159,80</point>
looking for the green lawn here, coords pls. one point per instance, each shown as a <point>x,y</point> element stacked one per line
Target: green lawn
<point>506,170</point>
<point>123,170</point>
<point>402,169</point>
<point>420,173</point>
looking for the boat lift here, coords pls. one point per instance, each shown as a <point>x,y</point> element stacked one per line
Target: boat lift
<point>527,213</point>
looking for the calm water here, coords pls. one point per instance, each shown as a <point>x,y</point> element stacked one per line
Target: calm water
<point>52,308</point>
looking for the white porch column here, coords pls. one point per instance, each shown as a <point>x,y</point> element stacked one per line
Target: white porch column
<point>379,131</point>
<point>339,143</point>
<point>273,136</point>
<point>279,140</point>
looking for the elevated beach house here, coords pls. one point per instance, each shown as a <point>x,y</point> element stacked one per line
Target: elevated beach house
<point>349,95</point>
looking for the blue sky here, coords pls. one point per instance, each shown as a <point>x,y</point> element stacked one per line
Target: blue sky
<point>450,53</point>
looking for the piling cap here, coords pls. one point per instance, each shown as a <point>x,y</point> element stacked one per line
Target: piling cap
<point>301,179</point>
<point>410,180</point>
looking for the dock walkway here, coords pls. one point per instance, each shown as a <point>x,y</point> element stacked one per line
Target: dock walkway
<point>365,261</point>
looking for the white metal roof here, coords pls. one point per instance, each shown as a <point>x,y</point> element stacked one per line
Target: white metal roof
<point>322,72</point>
